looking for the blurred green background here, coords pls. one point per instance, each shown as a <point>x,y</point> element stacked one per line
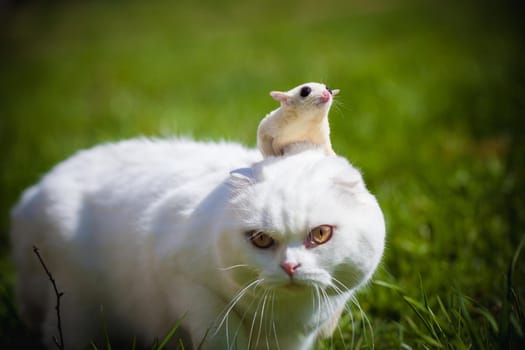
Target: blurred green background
<point>431,110</point>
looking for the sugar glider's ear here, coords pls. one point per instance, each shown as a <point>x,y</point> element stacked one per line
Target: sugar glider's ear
<point>280,96</point>
<point>241,178</point>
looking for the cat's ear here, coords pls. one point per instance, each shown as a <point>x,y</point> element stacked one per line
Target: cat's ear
<point>280,96</point>
<point>243,177</point>
<point>348,184</point>
<point>351,185</point>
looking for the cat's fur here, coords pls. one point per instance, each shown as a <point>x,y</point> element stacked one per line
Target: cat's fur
<point>143,233</point>
<point>298,119</point>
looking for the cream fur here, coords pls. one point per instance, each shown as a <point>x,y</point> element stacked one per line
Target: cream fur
<point>298,119</point>
<point>152,230</point>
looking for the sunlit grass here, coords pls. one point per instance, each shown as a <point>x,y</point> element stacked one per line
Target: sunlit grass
<point>431,108</point>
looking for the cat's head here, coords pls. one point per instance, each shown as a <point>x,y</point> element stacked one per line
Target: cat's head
<point>306,97</point>
<point>299,221</point>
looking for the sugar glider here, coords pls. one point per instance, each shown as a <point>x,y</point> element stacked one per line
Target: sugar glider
<point>301,118</point>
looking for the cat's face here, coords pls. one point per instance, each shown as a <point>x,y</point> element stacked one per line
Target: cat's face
<point>306,97</point>
<point>301,221</point>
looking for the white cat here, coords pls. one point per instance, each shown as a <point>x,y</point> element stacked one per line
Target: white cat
<point>249,253</point>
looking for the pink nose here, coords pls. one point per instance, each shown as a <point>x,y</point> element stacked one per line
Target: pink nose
<point>290,268</point>
<point>325,96</point>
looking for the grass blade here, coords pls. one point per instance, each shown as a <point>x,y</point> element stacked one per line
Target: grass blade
<point>388,285</point>
<point>170,334</point>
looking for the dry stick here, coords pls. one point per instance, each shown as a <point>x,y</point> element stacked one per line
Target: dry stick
<point>58,294</point>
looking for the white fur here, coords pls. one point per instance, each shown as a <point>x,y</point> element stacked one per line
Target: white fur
<point>154,230</point>
<point>298,119</point>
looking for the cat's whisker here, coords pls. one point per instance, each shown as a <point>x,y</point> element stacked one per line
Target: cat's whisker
<point>352,324</point>
<point>326,300</point>
<point>273,323</point>
<point>232,304</point>
<point>227,334</point>
<point>234,301</point>
<point>315,301</point>
<point>365,320</point>
<point>342,285</point>
<point>340,331</point>
<point>246,312</point>
<point>254,319</point>
<point>228,268</point>
<point>251,328</point>
<point>264,297</point>
<point>347,307</point>
<point>333,311</point>
<point>267,324</point>
<point>319,306</point>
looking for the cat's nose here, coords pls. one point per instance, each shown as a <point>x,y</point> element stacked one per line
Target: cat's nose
<point>290,268</point>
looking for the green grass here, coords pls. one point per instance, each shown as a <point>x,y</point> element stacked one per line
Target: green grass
<point>431,110</point>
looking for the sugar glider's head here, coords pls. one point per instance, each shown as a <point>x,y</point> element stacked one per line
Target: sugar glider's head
<point>307,97</point>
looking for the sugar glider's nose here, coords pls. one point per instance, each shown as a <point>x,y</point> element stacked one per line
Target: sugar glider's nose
<point>326,96</point>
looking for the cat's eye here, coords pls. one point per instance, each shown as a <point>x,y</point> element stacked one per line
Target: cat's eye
<point>260,239</point>
<point>305,91</point>
<point>320,235</point>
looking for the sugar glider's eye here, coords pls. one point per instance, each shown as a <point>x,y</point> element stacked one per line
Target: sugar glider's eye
<point>329,90</point>
<point>320,235</point>
<point>305,91</point>
<point>260,239</point>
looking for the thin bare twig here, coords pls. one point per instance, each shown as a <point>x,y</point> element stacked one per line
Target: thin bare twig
<point>58,343</point>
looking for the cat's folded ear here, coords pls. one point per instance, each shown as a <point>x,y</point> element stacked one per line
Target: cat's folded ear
<point>352,188</point>
<point>241,178</point>
<point>280,96</point>
<point>350,183</point>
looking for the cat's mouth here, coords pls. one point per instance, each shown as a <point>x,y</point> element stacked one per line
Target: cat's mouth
<point>291,288</point>
<point>297,281</point>
<point>296,286</point>
<point>293,284</point>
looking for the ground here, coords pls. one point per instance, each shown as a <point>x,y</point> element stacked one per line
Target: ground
<point>431,110</point>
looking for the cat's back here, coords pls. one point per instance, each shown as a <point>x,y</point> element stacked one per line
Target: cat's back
<point>127,175</point>
<point>151,160</point>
